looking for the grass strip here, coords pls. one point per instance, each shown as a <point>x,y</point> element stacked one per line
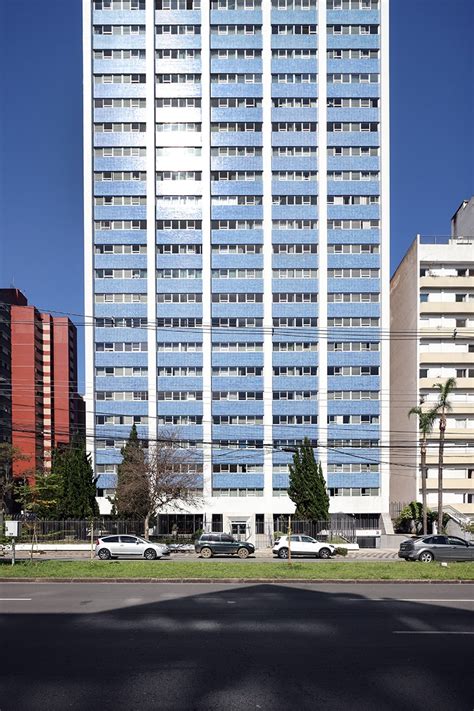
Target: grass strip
<point>104,570</point>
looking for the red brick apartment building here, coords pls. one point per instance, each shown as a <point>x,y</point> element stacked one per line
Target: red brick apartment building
<point>39,404</point>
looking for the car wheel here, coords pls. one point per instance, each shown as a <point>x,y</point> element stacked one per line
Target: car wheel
<point>426,557</point>
<point>243,553</point>
<point>206,552</point>
<point>325,553</point>
<point>283,553</point>
<point>149,554</point>
<point>104,554</point>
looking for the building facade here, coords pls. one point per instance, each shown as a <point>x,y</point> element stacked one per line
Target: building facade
<point>432,340</point>
<point>41,408</point>
<point>237,242</point>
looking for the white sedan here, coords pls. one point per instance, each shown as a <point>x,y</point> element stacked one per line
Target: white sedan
<point>128,546</point>
<point>302,545</point>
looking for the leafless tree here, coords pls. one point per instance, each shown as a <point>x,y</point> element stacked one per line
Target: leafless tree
<point>157,475</point>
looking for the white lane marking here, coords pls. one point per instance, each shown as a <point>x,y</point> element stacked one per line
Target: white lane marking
<point>14,599</point>
<point>414,624</point>
<point>407,599</point>
<point>429,632</point>
<point>436,599</point>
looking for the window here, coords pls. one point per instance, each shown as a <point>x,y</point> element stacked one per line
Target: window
<point>353,248</point>
<point>295,273</point>
<point>119,29</point>
<point>120,175</point>
<point>351,126</point>
<point>353,151</point>
<point>120,273</point>
<point>178,248</point>
<point>353,29</point>
<point>119,127</point>
<point>353,273</point>
<point>108,54</point>
<point>453,541</point>
<point>235,5</point>
<point>294,29</point>
<point>177,4</point>
<point>119,78</point>
<point>178,224</point>
<point>120,225</point>
<point>236,78</point>
<point>353,54</point>
<point>119,5</point>
<point>178,29</point>
<point>120,104</point>
<point>294,4</point>
<point>352,4</point>
<point>295,175</point>
<point>120,249</point>
<point>178,175</point>
<point>353,224</point>
<point>178,273</point>
<point>294,78</point>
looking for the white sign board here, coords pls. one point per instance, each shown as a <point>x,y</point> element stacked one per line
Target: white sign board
<point>12,529</point>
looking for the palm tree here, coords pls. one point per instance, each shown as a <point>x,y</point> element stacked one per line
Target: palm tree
<point>441,408</point>
<point>426,420</point>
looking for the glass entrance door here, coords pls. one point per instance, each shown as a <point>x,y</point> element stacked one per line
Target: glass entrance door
<point>239,530</point>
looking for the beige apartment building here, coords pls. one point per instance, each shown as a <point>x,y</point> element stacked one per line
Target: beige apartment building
<point>432,339</point>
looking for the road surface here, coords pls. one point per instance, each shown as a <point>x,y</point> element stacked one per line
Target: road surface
<point>207,647</point>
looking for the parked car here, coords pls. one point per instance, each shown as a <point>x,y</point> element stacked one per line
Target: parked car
<point>429,548</point>
<point>302,545</point>
<point>209,544</point>
<point>129,547</point>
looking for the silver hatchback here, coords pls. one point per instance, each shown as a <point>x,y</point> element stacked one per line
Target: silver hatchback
<point>437,547</point>
<point>128,546</point>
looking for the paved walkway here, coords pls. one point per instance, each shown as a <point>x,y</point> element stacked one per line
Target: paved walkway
<point>263,554</point>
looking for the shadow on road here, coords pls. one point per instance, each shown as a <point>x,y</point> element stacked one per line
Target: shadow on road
<point>270,646</point>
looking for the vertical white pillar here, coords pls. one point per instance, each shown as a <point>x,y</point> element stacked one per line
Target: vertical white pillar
<point>151,217</point>
<point>206,252</point>
<point>384,248</point>
<point>267,253</point>
<point>323,238</point>
<point>88,226</point>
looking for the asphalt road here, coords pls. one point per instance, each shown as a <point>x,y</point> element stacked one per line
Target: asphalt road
<point>207,647</point>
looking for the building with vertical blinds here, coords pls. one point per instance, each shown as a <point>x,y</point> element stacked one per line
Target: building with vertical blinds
<point>237,244</point>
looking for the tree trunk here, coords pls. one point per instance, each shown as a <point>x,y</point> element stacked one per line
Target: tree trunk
<point>147,525</point>
<point>423,486</point>
<point>442,427</point>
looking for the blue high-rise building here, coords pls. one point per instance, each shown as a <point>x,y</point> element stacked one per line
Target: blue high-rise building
<point>237,243</point>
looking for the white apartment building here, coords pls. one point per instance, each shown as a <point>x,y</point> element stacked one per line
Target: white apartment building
<point>432,339</point>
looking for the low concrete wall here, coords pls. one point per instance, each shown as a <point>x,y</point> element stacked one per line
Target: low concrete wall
<point>393,541</point>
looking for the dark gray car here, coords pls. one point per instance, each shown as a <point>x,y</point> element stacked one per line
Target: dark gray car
<point>437,547</point>
<point>210,544</point>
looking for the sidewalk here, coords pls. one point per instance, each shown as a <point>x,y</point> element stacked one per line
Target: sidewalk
<point>361,554</point>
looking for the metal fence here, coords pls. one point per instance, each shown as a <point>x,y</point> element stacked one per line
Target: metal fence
<point>336,530</point>
<point>74,531</point>
<point>396,507</point>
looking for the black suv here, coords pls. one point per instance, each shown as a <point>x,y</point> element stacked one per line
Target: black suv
<point>210,544</point>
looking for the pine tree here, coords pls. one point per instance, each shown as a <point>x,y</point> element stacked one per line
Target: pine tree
<point>307,488</point>
<point>132,496</point>
<point>77,483</point>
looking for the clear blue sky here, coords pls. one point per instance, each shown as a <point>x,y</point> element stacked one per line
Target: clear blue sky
<point>432,136</point>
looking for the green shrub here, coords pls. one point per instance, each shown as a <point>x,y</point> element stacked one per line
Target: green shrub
<point>341,551</point>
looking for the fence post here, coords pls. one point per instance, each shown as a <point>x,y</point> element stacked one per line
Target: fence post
<point>289,538</point>
<point>92,539</point>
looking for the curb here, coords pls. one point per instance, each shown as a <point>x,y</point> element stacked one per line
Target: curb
<point>237,580</point>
